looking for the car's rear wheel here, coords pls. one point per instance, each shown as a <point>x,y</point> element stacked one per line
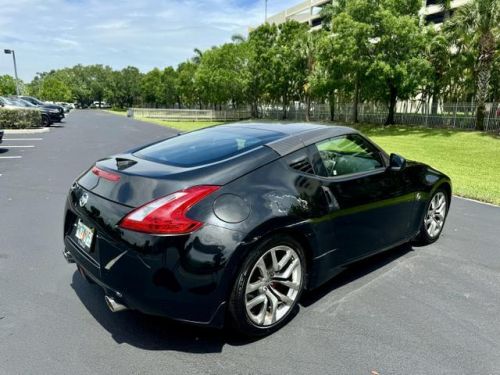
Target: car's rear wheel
<point>268,286</point>
<point>434,218</point>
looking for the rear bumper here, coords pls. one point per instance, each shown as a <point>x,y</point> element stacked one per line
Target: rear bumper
<point>185,278</point>
<point>142,289</point>
<point>56,117</point>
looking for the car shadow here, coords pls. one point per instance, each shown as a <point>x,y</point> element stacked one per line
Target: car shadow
<point>157,333</point>
<point>355,271</point>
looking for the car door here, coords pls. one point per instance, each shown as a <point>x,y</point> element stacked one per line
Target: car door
<point>368,205</point>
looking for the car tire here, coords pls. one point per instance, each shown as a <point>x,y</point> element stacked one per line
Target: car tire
<point>435,215</point>
<point>281,277</point>
<point>45,121</point>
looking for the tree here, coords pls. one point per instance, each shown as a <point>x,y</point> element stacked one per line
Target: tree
<point>478,24</point>
<point>352,44</point>
<point>438,54</point>
<point>126,87</point>
<point>261,52</point>
<point>399,65</point>
<point>151,87</point>
<point>169,93</point>
<point>187,90</point>
<point>7,85</point>
<point>55,89</point>
<point>220,75</point>
<point>328,77</point>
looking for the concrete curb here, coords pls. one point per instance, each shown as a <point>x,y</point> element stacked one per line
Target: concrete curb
<point>26,131</point>
<point>476,201</point>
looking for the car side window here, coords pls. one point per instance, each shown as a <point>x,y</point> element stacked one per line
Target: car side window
<point>345,155</point>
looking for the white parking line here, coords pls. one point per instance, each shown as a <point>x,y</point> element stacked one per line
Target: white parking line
<point>17,146</point>
<point>10,157</point>
<point>23,139</point>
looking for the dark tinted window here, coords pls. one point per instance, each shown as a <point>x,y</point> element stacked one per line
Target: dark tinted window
<point>345,155</point>
<point>207,145</point>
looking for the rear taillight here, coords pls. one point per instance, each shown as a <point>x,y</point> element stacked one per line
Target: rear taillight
<point>167,215</point>
<point>110,176</point>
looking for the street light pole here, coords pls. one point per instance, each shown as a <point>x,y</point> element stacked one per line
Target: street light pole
<point>8,52</point>
<point>265,1</point>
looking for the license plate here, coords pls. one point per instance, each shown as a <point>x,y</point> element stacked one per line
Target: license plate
<point>84,235</point>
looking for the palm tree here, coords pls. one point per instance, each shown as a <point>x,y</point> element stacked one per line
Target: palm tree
<point>237,38</point>
<point>197,57</point>
<point>479,21</point>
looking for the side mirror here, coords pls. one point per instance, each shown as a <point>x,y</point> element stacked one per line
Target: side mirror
<point>396,162</point>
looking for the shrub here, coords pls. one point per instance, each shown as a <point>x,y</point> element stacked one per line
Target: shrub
<point>18,118</point>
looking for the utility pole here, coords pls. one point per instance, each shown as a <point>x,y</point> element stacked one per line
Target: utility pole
<point>11,52</point>
<point>265,1</point>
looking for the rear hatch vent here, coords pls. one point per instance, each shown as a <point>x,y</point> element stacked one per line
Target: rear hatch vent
<point>302,165</point>
<point>122,163</point>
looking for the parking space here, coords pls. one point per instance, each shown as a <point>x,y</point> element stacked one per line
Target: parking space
<point>14,147</point>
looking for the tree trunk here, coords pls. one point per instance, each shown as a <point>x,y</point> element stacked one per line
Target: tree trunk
<point>331,101</point>
<point>435,102</point>
<point>308,107</point>
<point>285,103</point>
<point>253,109</point>
<point>392,105</point>
<point>484,64</point>
<point>356,100</point>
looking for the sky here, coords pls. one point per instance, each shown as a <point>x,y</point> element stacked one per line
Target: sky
<point>53,34</point>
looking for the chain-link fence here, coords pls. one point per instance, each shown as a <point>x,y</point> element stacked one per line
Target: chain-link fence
<point>190,114</point>
<point>411,112</point>
<point>449,115</point>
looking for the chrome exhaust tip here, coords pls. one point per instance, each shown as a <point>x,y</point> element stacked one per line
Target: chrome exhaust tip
<point>113,305</point>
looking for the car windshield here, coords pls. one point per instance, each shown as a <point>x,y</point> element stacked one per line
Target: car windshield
<point>18,102</point>
<point>32,100</point>
<point>25,103</point>
<point>207,146</point>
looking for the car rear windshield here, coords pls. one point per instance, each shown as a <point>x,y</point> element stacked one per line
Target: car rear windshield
<point>207,145</point>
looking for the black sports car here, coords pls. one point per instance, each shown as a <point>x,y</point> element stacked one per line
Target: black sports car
<point>55,112</point>
<point>233,222</point>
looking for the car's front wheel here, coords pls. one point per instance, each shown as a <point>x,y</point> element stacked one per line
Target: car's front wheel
<point>45,121</point>
<point>434,219</point>
<point>268,286</point>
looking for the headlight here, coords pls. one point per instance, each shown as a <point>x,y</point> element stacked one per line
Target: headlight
<point>54,110</point>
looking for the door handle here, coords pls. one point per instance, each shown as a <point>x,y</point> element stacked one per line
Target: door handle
<point>330,199</point>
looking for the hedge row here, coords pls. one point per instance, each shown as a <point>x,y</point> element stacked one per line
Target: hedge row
<point>11,118</point>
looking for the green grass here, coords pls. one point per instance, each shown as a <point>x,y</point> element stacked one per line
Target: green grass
<point>183,126</point>
<point>471,159</point>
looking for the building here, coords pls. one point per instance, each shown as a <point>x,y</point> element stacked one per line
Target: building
<point>308,12</point>
<point>433,11</point>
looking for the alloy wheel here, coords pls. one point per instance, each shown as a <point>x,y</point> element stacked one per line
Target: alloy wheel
<point>273,286</point>
<point>436,213</point>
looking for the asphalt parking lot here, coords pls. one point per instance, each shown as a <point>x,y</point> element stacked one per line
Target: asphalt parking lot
<point>429,310</point>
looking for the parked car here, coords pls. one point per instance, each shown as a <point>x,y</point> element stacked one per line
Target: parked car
<point>66,106</point>
<point>56,112</point>
<point>234,222</point>
<point>21,103</point>
<point>97,104</point>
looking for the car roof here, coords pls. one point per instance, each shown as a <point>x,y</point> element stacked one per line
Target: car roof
<point>296,135</point>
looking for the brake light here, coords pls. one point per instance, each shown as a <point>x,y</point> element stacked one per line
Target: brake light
<point>110,176</point>
<point>167,215</point>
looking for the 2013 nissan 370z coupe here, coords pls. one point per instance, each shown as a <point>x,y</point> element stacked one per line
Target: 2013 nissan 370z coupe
<point>232,223</point>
